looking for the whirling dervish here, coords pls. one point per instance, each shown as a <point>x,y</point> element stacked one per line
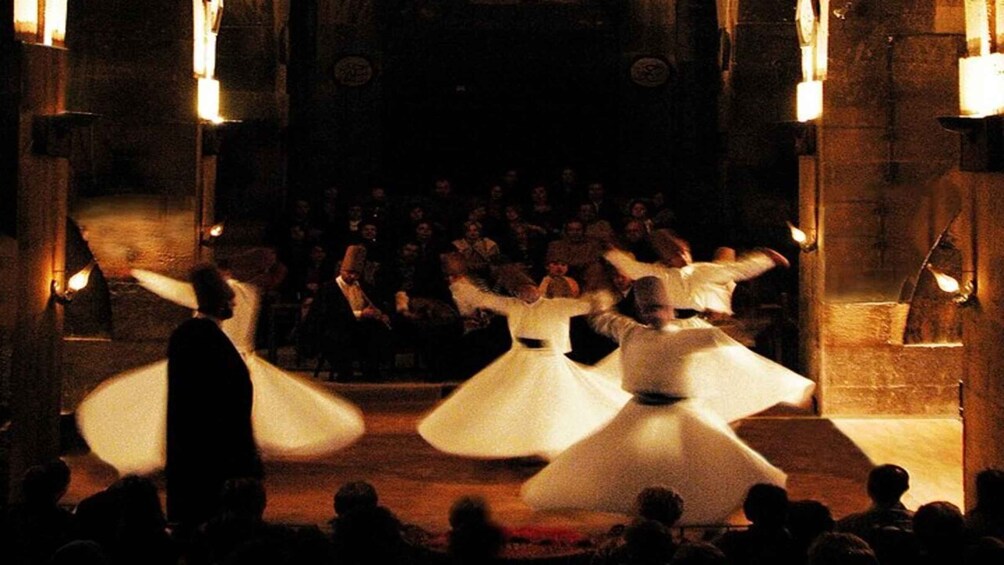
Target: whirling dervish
<point>533,400</point>
<point>664,435</point>
<point>124,419</point>
<point>736,382</point>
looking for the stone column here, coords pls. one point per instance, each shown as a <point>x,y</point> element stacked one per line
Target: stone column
<point>41,185</point>
<point>885,192</point>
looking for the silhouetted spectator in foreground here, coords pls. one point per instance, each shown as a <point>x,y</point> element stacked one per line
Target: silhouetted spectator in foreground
<point>656,503</point>
<point>894,546</point>
<point>940,531</point>
<point>698,553</point>
<point>767,540</point>
<point>36,526</point>
<point>807,520</point>
<point>80,552</point>
<point>836,548</point>
<point>474,539</point>
<point>647,542</point>
<point>987,517</point>
<point>239,521</point>
<point>363,531</point>
<point>985,551</point>
<point>140,530</point>
<point>886,485</point>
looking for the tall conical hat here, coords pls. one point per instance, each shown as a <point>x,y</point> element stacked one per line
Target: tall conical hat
<point>651,291</point>
<point>559,288</point>
<point>355,258</point>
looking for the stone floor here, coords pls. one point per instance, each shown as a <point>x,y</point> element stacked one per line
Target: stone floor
<point>827,460</point>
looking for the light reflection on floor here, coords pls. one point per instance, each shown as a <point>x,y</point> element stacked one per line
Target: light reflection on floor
<point>826,460</point>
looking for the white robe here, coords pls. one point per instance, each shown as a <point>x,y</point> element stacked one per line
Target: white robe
<point>697,286</point>
<point>529,401</point>
<point>124,419</point>
<point>683,445</point>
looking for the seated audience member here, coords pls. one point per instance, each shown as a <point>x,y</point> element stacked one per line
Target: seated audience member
<point>894,546</point>
<point>346,324</point>
<point>886,485</point>
<point>836,548</point>
<point>525,249</point>
<point>578,251</point>
<point>370,535</point>
<point>125,519</point>
<point>940,530</point>
<point>36,526</point>
<point>634,240</point>
<point>238,522</point>
<point>606,209</point>
<point>473,539</point>
<point>541,211</point>
<point>987,517</point>
<point>985,551</point>
<point>767,540</point>
<point>807,520</point>
<point>480,253</point>
<point>557,283</point>
<point>376,248</point>
<point>656,503</point>
<point>80,552</point>
<point>698,553</point>
<point>353,496</point>
<point>596,227</point>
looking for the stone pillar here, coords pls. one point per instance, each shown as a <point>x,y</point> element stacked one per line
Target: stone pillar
<point>983,333</point>
<point>41,184</point>
<point>884,176</point>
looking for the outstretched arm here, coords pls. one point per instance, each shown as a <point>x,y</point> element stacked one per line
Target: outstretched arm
<point>469,298</point>
<point>179,292</point>
<point>613,324</point>
<point>631,268</point>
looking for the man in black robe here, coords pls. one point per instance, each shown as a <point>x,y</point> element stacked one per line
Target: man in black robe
<point>209,397</point>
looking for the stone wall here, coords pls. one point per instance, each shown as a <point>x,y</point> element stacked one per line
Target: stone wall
<point>884,187</point>
<point>983,398</point>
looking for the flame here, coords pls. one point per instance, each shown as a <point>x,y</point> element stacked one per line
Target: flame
<point>797,235</point>
<point>79,281</point>
<point>216,230</point>
<point>209,99</point>
<point>810,100</point>
<point>981,85</point>
<point>946,283</point>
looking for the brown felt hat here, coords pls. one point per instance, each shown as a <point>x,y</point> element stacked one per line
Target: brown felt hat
<point>355,258</point>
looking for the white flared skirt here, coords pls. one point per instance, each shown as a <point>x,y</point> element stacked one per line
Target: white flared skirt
<point>683,446</point>
<point>735,382</point>
<point>528,402</point>
<point>124,419</point>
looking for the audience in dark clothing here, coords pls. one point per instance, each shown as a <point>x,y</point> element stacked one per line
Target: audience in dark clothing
<point>125,524</point>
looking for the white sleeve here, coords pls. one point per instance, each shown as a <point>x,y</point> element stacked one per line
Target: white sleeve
<point>469,298</point>
<point>572,307</point>
<point>613,324</point>
<point>631,268</point>
<point>176,291</point>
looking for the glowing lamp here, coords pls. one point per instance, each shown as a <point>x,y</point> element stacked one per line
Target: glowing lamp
<point>950,285</point>
<point>981,85</point>
<point>209,100</point>
<point>76,283</point>
<point>800,237</point>
<point>810,100</point>
<point>211,234</point>
<point>40,21</point>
